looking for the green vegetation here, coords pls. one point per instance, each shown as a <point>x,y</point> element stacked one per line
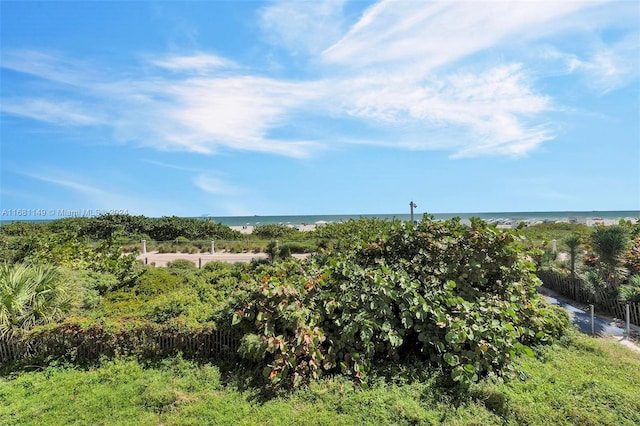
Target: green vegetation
<point>31,295</point>
<point>605,260</point>
<point>573,244</point>
<point>583,381</point>
<point>387,322</point>
<point>461,298</point>
<point>631,291</point>
<point>272,231</point>
<point>540,236</point>
<point>610,244</point>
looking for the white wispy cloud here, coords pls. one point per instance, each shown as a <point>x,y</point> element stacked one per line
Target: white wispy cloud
<point>51,66</point>
<point>401,65</point>
<point>200,113</point>
<point>214,185</point>
<point>600,67</point>
<point>71,184</point>
<point>94,196</point>
<point>237,112</point>
<point>425,35</point>
<point>172,166</point>
<point>303,27</point>
<point>490,111</point>
<point>61,113</point>
<point>200,63</point>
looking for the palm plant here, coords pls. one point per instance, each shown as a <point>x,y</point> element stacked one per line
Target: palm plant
<point>594,283</point>
<point>31,295</point>
<point>631,291</point>
<point>272,250</point>
<point>573,243</point>
<point>610,244</point>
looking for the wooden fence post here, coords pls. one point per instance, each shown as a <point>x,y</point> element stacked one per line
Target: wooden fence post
<point>628,328</point>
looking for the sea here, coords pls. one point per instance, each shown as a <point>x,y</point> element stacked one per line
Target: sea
<point>491,217</point>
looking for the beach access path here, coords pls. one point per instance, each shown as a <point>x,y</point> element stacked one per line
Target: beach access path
<point>201,259</point>
<point>603,326</point>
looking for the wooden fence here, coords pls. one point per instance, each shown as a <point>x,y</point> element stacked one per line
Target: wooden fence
<point>573,288</point>
<point>218,345</point>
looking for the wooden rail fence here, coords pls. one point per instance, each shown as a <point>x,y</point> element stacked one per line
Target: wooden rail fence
<point>218,345</point>
<point>573,288</point>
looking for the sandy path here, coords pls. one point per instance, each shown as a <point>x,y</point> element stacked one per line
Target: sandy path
<point>161,259</point>
<point>625,342</point>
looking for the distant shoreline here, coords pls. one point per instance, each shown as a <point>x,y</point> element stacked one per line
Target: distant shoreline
<point>501,218</point>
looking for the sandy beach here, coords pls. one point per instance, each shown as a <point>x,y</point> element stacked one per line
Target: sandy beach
<point>248,229</point>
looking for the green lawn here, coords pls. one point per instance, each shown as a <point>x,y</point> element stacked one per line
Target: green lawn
<point>583,382</point>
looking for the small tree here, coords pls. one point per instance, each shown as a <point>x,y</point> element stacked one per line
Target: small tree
<point>573,243</point>
<point>272,250</point>
<point>285,252</point>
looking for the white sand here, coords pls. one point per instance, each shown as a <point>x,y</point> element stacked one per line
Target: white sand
<point>249,228</point>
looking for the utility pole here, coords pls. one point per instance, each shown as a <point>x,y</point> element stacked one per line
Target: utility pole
<point>412,205</point>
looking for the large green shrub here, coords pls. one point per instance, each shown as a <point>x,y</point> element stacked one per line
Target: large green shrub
<point>107,226</point>
<point>462,298</point>
<point>154,281</point>
<point>351,231</point>
<point>271,231</point>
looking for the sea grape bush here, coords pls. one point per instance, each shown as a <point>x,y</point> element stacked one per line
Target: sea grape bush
<point>270,231</point>
<point>351,232</point>
<point>460,297</point>
<point>278,324</point>
<point>105,226</point>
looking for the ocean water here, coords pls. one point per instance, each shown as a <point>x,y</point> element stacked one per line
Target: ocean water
<point>510,217</point>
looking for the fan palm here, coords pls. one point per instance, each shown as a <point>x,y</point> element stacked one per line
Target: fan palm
<point>31,295</point>
<point>610,244</point>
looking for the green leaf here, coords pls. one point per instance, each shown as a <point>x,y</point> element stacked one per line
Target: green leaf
<point>395,339</point>
<point>236,319</point>
<point>451,337</point>
<point>266,371</point>
<point>450,359</point>
<point>527,350</point>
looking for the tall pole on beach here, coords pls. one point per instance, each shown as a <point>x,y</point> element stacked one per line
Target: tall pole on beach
<point>412,205</point>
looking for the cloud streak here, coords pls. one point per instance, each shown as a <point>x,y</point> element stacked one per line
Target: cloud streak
<point>91,196</point>
<point>213,185</point>
<point>426,35</point>
<point>61,113</point>
<point>303,27</point>
<point>199,63</point>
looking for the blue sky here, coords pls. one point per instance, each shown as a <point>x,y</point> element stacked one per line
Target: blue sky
<point>283,108</point>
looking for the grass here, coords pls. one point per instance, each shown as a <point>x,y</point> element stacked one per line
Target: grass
<point>585,381</point>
